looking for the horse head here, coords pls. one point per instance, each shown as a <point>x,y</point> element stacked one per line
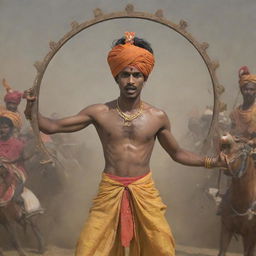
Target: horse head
<point>237,154</point>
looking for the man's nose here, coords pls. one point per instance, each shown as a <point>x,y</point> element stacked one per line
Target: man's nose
<point>131,79</point>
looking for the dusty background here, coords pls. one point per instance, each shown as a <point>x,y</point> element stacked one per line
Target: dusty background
<point>79,75</point>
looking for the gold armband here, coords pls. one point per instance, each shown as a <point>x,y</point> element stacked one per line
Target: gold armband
<point>208,162</point>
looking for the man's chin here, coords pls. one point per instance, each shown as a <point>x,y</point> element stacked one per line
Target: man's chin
<point>249,98</point>
<point>131,95</point>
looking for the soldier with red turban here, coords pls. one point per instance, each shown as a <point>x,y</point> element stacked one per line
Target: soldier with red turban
<point>12,100</point>
<point>128,210</point>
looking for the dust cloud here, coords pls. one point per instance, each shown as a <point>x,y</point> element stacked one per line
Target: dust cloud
<point>79,76</point>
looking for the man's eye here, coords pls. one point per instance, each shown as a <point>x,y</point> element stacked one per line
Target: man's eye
<point>125,75</point>
<point>137,75</point>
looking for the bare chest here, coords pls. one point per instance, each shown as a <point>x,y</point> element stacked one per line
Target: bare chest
<point>114,127</point>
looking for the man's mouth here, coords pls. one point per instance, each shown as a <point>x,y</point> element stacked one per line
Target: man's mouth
<point>130,88</point>
<point>248,96</point>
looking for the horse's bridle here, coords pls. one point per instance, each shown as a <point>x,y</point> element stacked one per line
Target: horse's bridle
<point>244,153</point>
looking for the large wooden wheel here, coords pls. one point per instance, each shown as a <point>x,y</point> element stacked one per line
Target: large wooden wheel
<point>129,12</point>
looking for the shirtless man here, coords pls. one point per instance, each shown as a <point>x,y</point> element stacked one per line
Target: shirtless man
<point>128,211</point>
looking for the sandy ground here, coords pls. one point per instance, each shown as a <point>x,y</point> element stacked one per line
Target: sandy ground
<point>181,251</point>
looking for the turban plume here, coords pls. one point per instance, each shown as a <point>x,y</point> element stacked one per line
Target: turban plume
<point>245,76</point>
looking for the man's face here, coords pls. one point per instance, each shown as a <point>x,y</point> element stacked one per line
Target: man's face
<point>249,91</point>
<point>5,131</point>
<point>11,106</point>
<point>130,81</point>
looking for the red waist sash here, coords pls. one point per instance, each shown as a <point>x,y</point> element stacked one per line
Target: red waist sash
<point>126,216</point>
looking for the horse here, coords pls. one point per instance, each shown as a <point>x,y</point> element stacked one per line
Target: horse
<point>12,214</point>
<point>238,215</point>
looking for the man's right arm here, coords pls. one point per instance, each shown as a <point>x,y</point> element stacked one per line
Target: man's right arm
<point>68,124</point>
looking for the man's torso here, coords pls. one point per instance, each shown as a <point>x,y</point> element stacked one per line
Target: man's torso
<point>127,149</point>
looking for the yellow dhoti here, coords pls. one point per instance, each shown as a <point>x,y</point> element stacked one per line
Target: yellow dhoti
<point>100,235</point>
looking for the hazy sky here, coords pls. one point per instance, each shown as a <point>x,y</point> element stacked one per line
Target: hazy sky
<point>28,25</point>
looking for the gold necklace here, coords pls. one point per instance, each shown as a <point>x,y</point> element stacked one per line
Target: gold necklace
<point>128,118</point>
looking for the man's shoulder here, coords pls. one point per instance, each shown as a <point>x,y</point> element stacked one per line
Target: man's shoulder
<point>155,111</point>
<point>98,108</point>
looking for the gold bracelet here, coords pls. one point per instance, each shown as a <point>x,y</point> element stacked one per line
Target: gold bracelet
<point>208,162</point>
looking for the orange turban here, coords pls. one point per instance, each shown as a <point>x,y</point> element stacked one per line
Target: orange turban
<point>124,55</point>
<point>245,76</point>
<point>14,116</point>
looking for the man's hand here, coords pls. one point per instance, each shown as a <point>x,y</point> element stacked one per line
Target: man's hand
<point>31,98</point>
<point>30,95</point>
<point>220,161</point>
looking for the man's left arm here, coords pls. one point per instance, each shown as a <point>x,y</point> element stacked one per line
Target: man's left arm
<point>180,155</point>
